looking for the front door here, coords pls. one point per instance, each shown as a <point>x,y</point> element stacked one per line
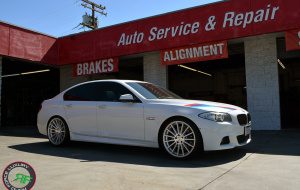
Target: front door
<point>119,120</point>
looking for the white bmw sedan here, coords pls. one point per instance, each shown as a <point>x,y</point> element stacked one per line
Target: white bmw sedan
<point>142,114</point>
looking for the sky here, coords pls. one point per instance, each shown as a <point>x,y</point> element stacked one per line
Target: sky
<point>60,17</point>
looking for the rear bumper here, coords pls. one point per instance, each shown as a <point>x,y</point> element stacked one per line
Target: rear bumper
<point>42,120</point>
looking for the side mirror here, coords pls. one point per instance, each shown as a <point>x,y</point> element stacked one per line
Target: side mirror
<point>126,98</point>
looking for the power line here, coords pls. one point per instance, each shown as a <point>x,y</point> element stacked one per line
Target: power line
<point>65,32</point>
<point>65,23</point>
<point>64,9</point>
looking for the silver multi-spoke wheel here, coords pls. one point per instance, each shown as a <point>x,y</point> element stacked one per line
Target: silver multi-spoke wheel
<point>179,139</point>
<point>57,131</point>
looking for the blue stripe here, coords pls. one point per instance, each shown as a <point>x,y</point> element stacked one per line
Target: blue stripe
<point>203,105</point>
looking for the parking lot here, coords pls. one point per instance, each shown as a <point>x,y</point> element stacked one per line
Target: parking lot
<point>270,161</point>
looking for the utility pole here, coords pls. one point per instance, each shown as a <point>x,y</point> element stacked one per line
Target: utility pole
<point>95,7</point>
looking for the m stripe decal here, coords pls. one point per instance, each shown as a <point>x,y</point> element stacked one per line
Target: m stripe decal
<point>205,105</point>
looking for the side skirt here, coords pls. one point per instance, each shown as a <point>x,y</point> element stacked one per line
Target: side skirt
<point>77,137</point>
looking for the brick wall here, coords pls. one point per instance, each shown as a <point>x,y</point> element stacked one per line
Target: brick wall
<point>66,77</point>
<point>154,72</point>
<point>262,84</point>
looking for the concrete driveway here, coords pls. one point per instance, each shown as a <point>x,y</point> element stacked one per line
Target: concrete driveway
<point>270,161</point>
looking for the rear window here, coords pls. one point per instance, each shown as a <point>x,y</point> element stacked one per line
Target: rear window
<point>85,92</point>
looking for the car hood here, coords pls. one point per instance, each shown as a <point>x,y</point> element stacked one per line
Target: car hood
<point>198,104</point>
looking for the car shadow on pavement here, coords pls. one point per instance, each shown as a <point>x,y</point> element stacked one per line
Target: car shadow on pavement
<point>263,142</point>
<point>94,152</point>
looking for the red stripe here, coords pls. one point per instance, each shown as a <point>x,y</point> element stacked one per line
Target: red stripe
<point>193,104</point>
<point>226,107</point>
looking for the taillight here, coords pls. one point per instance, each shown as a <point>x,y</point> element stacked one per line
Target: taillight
<point>40,107</point>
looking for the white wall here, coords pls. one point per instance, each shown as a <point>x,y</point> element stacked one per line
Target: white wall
<point>154,72</point>
<point>262,84</point>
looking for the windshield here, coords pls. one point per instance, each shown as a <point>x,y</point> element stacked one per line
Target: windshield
<point>151,91</point>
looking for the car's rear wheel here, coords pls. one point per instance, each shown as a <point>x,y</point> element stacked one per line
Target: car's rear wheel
<point>58,132</point>
<point>181,138</point>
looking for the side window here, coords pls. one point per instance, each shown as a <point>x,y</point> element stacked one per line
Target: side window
<point>71,95</point>
<point>85,92</point>
<point>111,91</point>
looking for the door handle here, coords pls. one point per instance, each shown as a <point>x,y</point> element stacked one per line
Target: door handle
<point>102,106</point>
<point>69,105</point>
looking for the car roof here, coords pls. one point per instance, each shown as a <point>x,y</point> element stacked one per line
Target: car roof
<point>113,80</point>
<point>121,81</point>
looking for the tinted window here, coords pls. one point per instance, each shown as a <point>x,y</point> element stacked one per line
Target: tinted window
<point>85,92</point>
<point>111,91</point>
<point>98,91</point>
<point>151,91</point>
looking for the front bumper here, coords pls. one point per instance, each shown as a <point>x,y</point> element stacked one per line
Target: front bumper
<point>223,135</point>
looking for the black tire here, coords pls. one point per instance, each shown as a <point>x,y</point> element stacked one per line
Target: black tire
<point>180,138</point>
<point>58,131</point>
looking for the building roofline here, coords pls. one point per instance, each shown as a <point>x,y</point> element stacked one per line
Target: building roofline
<point>220,1</point>
<point>10,24</point>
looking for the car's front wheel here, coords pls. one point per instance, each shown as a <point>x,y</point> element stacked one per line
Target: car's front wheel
<point>180,138</point>
<point>58,132</point>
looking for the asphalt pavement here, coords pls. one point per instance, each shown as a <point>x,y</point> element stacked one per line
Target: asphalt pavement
<point>270,161</point>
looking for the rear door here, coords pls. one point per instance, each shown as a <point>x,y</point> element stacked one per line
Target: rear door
<point>80,106</point>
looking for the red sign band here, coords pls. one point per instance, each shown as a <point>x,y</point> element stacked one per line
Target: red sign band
<point>194,53</point>
<point>215,22</point>
<point>292,39</point>
<point>96,67</point>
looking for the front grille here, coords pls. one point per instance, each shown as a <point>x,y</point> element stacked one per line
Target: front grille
<point>242,119</point>
<point>249,118</point>
<point>242,138</point>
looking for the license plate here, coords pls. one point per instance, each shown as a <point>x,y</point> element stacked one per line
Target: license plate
<point>247,130</point>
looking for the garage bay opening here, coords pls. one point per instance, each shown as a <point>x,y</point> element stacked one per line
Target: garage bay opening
<point>222,80</point>
<point>24,86</point>
<point>289,85</point>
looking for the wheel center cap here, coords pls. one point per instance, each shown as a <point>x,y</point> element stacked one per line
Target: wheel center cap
<point>179,139</point>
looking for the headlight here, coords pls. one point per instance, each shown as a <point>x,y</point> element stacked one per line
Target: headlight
<point>215,116</point>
